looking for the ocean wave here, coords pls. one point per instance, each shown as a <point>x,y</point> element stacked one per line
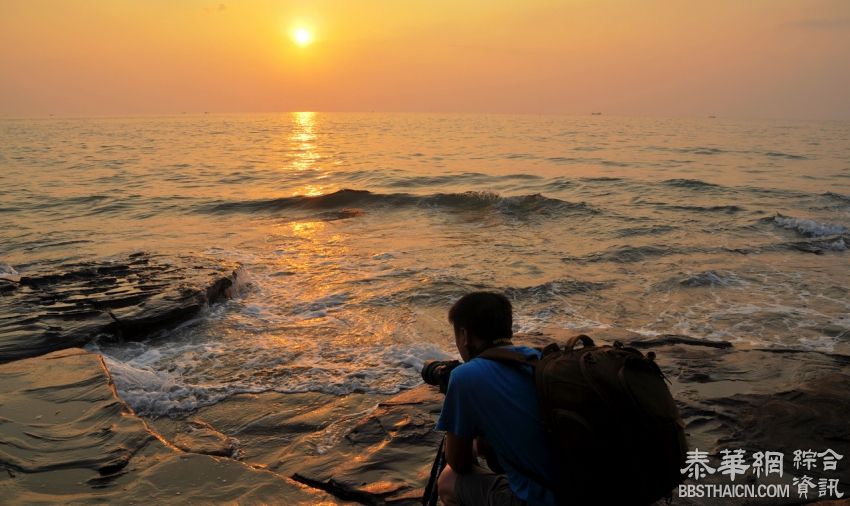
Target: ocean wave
<point>174,379</point>
<point>708,279</point>
<point>553,289</point>
<point>845,199</point>
<point>453,179</point>
<point>652,230</point>
<point>602,179</point>
<point>8,273</point>
<point>807,228</point>
<point>519,205</point>
<point>818,246</point>
<point>515,205</point>
<point>626,254</point>
<point>444,290</point>
<point>40,204</point>
<point>689,183</point>
<point>563,159</point>
<point>701,150</point>
<point>341,214</point>
<point>787,156</point>
<point>559,184</point>
<point>728,209</point>
<point>432,289</point>
<point>41,245</point>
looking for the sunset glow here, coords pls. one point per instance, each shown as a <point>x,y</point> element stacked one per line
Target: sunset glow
<point>244,244</point>
<point>761,58</point>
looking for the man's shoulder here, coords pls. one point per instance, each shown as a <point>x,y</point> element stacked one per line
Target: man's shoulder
<point>482,366</point>
<point>470,369</point>
<point>525,350</point>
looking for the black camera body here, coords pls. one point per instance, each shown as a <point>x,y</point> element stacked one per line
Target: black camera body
<point>437,372</point>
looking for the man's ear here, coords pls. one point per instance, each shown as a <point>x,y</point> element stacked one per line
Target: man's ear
<point>462,336</point>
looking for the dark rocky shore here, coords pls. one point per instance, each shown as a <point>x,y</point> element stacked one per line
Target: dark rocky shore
<point>66,436</point>
<point>67,305</point>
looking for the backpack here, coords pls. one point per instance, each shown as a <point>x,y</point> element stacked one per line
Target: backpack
<point>615,431</point>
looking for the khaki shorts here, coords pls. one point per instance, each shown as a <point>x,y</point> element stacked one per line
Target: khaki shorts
<point>483,488</point>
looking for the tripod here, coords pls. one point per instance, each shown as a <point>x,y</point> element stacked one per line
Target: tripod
<point>430,497</point>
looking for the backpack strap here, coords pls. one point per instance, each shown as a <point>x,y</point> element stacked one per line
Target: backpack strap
<point>510,356</point>
<point>586,341</point>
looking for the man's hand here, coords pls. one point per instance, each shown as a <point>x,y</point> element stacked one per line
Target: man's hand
<point>459,454</point>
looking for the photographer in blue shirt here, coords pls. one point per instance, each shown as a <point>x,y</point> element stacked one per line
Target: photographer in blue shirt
<point>491,410</point>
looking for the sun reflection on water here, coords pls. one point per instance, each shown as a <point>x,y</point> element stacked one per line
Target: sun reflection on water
<point>303,140</point>
<point>306,229</point>
<point>304,155</point>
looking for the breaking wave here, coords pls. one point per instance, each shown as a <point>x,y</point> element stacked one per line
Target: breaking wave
<point>519,205</point>
<point>807,228</point>
<point>166,381</point>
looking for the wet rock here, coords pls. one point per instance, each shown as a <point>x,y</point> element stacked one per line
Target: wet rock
<point>65,437</point>
<point>67,305</point>
<point>375,449</point>
<point>201,437</point>
<point>60,412</point>
<point>668,339</point>
<point>729,398</point>
<point>386,457</point>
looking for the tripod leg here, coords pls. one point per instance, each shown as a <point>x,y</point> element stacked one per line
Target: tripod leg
<point>431,495</point>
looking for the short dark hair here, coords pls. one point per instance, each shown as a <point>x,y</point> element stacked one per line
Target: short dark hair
<point>486,315</point>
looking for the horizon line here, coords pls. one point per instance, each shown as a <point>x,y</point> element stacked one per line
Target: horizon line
<point>595,114</point>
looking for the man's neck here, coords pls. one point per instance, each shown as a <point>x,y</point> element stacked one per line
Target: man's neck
<point>486,346</point>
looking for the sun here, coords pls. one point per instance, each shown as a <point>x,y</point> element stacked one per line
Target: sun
<point>302,36</point>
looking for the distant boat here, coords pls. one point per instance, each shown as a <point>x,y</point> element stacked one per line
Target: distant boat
<point>596,114</point>
<point>712,117</point>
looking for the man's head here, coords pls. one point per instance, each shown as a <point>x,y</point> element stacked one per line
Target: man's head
<point>480,320</point>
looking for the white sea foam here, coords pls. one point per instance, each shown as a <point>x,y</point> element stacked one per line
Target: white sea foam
<point>173,379</point>
<point>809,228</point>
<point>8,273</point>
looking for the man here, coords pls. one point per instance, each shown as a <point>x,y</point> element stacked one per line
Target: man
<point>492,404</point>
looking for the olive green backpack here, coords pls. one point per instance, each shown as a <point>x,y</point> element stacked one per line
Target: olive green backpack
<point>614,428</point>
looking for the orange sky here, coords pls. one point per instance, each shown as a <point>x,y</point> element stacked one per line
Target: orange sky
<point>740,58</point>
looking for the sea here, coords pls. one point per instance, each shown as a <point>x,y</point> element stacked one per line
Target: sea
<point>356,232</point>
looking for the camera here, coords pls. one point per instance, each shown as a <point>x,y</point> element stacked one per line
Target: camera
<point>437,372</point>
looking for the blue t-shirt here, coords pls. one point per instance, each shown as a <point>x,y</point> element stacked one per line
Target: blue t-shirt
<point>499,401</point>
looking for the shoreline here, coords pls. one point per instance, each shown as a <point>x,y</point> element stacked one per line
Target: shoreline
<point>384,444</point>
<point>67,436</point>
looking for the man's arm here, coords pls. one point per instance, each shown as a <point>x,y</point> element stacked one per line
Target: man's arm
<point>459,454</point>
<point>483,449</point>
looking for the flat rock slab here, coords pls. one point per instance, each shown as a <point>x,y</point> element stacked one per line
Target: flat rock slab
<point>386,457</point>
<point>367,448</point>
<point>62,306</point>
<point>379,450</point>
<point>66,438</point>
<point>730,398</point>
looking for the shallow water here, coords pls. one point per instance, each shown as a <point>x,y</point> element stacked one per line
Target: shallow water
<point>356,232</point>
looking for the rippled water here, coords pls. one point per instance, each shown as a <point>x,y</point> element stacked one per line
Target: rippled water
<point>357,231</point>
